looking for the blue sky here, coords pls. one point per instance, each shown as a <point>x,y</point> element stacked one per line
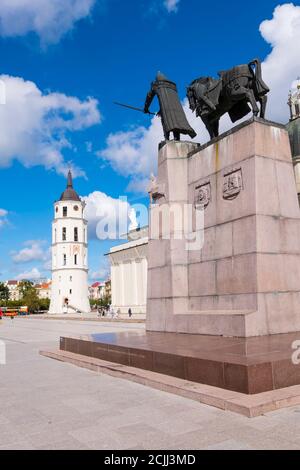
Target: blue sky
<point>64,66</point>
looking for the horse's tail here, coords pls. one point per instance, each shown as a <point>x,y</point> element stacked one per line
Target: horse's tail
<point>262,88</point>
<point>257,64</point>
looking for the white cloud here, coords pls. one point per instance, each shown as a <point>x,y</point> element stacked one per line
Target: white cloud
<point>47,266</point>
<point>134,153</point>
<point>134,146</point>
<point>33,251</point>
<point>49,19</point>
<point>36,128</point>
<point>3,219</point>
<point>106,213</point>
<point>282,66</point>
<point>32,275</point>
<point>102,274</point>
<point>138,184</point>
<point>171,5</point>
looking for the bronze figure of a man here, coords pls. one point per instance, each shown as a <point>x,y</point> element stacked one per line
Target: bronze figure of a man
<point>171,111</point>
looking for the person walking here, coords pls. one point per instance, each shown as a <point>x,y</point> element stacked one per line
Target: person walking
<point>129,312</point>
<point>112,312</point>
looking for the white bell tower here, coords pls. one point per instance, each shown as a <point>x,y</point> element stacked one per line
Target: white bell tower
<point>69,254</point>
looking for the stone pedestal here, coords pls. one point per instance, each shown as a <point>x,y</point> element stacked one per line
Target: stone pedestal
<point>245,365</point>
<point>245,281</point>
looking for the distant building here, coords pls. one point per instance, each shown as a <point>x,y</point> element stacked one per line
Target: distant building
<point>293,128</point>
<point>129,272</point>
<point>94,291</point>
<point>44,290</point>
<point>13,287</point>
<point>102,290</point>
<point>107,289</point>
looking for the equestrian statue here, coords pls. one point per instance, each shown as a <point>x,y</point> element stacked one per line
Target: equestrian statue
<point>232,92</point>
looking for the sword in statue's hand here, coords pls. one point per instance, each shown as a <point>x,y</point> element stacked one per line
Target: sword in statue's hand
<point>135,109</point>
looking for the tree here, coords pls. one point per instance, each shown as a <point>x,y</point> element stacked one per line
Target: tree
<point>29,295</point>
<point>4,292</point>
<point>24,287</point>
<point>31,299</point>
<point>44,304</point>
<point>105,301</point>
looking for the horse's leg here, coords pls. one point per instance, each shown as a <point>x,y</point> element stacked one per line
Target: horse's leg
<point>213,131</point>
<point>209,126</point>
<point>213,128</point>
<point>251,98</point>
<point>263,105</point>
<point>176,135</point>
<point>216,128</point>
<point>242,91</point>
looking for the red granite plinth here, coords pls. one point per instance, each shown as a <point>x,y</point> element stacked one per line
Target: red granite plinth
<point>247,365</point>
<point>236,273</point>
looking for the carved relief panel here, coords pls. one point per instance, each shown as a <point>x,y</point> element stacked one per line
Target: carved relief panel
<point>232,184</point>
<point>202,196</point>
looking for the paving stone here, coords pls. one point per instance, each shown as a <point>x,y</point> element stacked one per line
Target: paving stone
<point>60,406</point>
<point>230,444</point>
<point>18,445</point>
<point>70,444</point>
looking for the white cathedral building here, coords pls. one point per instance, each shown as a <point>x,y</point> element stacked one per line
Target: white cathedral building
<point>69,254</point>
<point>129,268</point>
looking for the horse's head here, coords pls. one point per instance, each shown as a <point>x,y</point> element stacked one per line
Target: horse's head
<point>195,91</point>
<point>190,93</point>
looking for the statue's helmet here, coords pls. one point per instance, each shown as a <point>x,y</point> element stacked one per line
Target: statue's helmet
<point>161,77</point>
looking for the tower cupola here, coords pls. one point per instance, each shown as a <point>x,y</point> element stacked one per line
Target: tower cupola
<point>69,193</point>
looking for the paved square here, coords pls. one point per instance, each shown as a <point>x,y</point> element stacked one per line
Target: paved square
<point>46,404</point>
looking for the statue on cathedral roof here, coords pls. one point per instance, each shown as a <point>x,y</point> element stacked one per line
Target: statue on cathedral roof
<point>294,101</point>
<point>293,126</point>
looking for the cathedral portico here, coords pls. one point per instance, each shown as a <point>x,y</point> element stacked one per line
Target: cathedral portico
<point>129,273</point>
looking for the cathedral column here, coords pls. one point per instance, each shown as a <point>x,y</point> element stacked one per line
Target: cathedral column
<point>135,282</point>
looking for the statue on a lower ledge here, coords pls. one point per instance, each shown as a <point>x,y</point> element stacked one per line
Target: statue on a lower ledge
<point>212,98</point>
<point>172,114</point>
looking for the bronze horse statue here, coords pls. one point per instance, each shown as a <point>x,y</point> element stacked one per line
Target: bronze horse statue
<point>232,92</point>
